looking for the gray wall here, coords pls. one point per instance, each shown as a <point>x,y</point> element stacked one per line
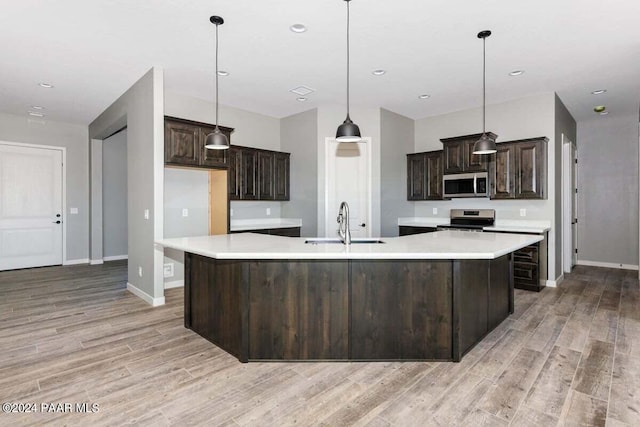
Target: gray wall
<point>397,138</point>
<point>114,195</point>
<point>74,138</point>
<point>565,124</point>
<point>521,118</point>
<point>184,188</point>
<point>299,137</point>
<point>608,190</point>
<point>140,108</point>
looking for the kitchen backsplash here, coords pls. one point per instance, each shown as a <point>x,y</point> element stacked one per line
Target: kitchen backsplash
<point>254,210</point>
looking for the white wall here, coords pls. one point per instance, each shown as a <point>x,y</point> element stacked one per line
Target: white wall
<point>75,138</point>
<point>397,134</point>
<point>608,190</point>
<point>522,118</point>
<point>368,119</point>
<point>140,108</point>
<point>114,195</point>
<point>299,137</point>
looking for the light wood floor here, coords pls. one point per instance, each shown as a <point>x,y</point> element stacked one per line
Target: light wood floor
<point>568,356</point>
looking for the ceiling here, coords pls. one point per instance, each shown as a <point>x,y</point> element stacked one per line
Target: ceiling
<point>93,51</point>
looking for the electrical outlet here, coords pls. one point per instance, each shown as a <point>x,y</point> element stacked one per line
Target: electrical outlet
<point>268,211</point>
<point>230,212</point>
<point>146,214</point>
<point>168,270</point>
<point>185,212</point>
<point>435,211</point>
<point>523,212</point>
<point>140,271</point>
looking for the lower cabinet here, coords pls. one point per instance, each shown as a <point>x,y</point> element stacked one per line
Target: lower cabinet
<point>286,232</point>
<point>406,230</point>
<point>530,266</point>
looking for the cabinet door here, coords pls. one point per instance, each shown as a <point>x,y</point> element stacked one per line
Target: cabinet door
<point>181,143</point>
<point>474,162</point>
<point>281,176</point>
<point>454,157</point>
<point>213,158</point>
<point>416,176</point>
<point>249,187</point>
<point>503,173</point>
<point>235,173</point>
<point>434,175</point>
<point>265,175</point>
<point>531,164</point>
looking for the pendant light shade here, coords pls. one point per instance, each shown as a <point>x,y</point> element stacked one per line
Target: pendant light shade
<point>486,144</point>
<point>348,131</point>
<point>216,140</point>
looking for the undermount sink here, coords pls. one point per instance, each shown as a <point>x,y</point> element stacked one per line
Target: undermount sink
<point>323,240</point>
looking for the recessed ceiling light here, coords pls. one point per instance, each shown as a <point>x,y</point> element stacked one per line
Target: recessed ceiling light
<point>35,114</point>
<point>604,113</point>
<point>45,85</point>
<point>298,28</point>
<point>379,72</point>
<point>424,96</point>
<point>516,73</point>
<point>598,92</point>
<point>301,98</point>
<point>37,107</point>
<point>223,73</point>
<point>599,108</point>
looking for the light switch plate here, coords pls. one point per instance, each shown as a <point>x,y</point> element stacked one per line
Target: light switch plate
<point>73,211</point>
<point>146,214</point>
<point>140,271</point>
<point>185,212</point>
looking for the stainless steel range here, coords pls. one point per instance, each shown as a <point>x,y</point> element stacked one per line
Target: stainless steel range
<point>470,219</point>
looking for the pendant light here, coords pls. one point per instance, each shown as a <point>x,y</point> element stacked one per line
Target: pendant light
<point>348,131</point>
<point>216,140</point>
<point>486,144</point>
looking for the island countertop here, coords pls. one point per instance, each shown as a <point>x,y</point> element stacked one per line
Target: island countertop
<point>449,244</point>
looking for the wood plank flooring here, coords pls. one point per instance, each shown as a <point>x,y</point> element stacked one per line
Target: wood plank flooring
<point>567,356</point>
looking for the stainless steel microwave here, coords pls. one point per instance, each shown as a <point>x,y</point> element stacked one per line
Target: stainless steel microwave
<point>466,185</point>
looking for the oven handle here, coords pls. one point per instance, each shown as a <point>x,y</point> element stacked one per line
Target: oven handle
<point>475,191</point>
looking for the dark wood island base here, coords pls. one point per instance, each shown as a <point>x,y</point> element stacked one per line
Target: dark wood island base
<point>346,309</point>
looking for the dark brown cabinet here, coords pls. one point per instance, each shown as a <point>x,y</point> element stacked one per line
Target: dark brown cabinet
<point>256,174</point>
<point>458,154</point>
<point>184,142</point>
<point>424,176</point>
<point>285,232</point>
<point>519,170</point>
<point>406,230</point>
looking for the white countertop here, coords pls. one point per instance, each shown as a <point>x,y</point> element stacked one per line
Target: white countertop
<point>262,223</point>
<point>513,226</point>
<point>450,244</point>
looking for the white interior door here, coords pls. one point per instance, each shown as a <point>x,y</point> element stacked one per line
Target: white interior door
<point>30,207</point>
<point>574,205</point>
<point>348,179</point>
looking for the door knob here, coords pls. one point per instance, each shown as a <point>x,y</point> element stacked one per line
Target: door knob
<point>363,225</point>
<point>58,215</point>
<point>57,222</point>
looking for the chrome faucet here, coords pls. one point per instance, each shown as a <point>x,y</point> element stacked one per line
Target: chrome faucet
<point>343,223</point>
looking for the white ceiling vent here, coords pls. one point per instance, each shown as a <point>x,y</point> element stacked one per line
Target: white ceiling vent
<point>302,90</point>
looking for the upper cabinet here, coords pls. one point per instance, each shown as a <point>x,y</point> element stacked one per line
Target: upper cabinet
<point>424,176</point>
<point>184,142</point>
<point>256,174</point>
<point>520,170</point>
<point>459,157</point>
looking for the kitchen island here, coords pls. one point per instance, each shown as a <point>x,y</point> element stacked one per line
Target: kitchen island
<point>421,297</point>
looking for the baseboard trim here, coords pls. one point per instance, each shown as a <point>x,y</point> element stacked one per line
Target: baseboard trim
<point>96,262</point>
<point>115,257</point>
<point>555,283</point>
<point>155,302</point>
<point>174,284</point>
<point>607,265</point>
<point>76,261</point>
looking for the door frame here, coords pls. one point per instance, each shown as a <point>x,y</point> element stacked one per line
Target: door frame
<point>329,161</point>
<point>569,199</point>
<point>64,186</point>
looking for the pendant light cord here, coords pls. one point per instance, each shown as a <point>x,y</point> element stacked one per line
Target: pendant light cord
<point>484,78</point>
<point>348,1</point>
<point>217,76</point>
